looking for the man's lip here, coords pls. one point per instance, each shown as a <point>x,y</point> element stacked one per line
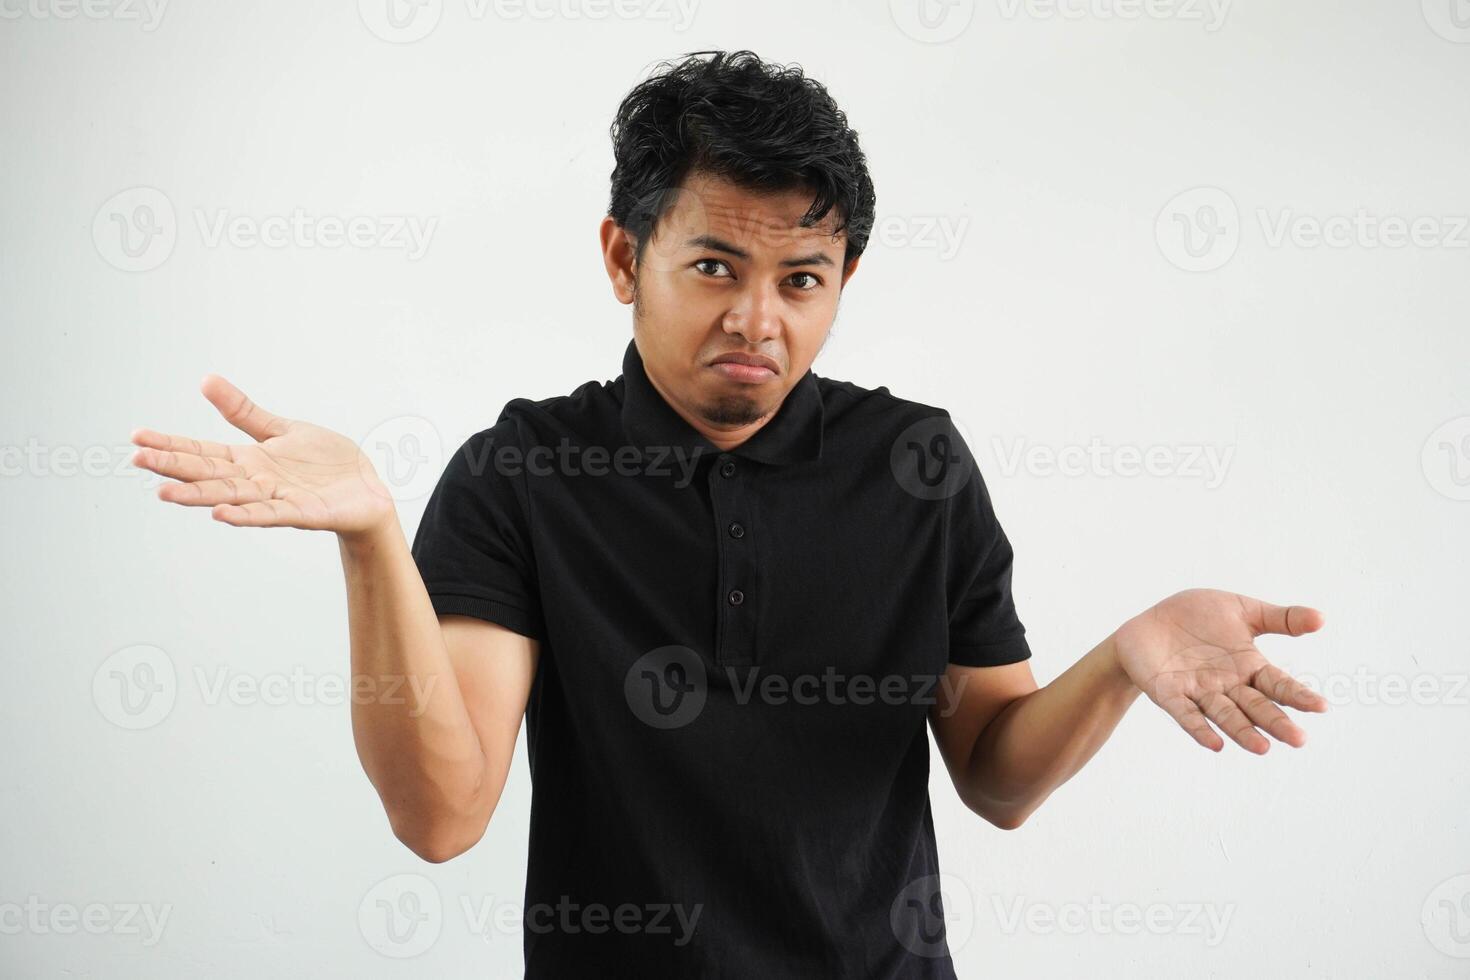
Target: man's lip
<point>745,373</point>
<point>755,360</point>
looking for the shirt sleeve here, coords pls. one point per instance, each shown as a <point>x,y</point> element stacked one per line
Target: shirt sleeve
<point>473,545</point>
<point>984,628</point>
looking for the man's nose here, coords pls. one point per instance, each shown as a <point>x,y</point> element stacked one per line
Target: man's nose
<point>756,315</point>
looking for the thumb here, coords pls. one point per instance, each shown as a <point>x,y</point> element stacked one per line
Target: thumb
<point>240,411</point>
<point>1264,617</point>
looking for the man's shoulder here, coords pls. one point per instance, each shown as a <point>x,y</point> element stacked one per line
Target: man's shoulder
<point>875,422</point>
<point>847,401</point>
<point>584,412</point>
<point>590,398</point>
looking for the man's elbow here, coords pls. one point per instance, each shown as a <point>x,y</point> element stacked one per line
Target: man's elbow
<point>1004,817</point>
<point>437,843</point>
<point>1011,820</point>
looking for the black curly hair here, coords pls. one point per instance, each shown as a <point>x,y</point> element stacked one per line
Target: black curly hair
<point>731,115</point>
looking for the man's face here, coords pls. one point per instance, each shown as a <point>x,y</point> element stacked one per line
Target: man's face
<point>729,271</point>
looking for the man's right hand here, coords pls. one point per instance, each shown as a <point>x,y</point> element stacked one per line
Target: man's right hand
<point>438,758</point>
<point>294,474</point>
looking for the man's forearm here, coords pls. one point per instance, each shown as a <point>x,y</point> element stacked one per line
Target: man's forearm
<point>414,735</point>
<point>1040,740</point>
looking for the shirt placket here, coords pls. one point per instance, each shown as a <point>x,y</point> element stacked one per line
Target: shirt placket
<point>738,588</point>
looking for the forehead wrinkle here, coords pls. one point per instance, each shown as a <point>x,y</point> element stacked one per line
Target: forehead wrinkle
<point>742,217</point>
<point>739,225</point>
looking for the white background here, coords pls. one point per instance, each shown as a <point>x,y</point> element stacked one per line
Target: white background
<point>1053,145</point>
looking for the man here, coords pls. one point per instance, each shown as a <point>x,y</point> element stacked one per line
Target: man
<point>726,593</point>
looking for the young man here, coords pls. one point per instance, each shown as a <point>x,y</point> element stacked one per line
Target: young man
<point>727,594</point>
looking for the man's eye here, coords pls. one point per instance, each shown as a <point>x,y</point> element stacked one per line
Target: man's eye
<point>804,281</point>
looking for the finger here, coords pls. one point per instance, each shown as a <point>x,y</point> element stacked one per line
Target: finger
<point>261,513</point>
<point>1264,617</point>
<point>185,466</point>
<point>1266,716</point>
<point>240,411</point>
<point>1282,688</point>
<point>1228,718</point>
<point>181,444</point>
<point>206,493</point>
<point>1187,714</point>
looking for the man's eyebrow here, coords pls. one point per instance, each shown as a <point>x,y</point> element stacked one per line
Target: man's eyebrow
<point>720,245</point>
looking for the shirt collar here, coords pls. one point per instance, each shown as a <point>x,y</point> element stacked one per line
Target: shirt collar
<point>794,434</point>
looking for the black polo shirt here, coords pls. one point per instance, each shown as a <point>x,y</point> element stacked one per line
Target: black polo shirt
<point>727,742</point>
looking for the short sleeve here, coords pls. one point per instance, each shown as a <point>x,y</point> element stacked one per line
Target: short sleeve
<point>473,545</point>
<point>984,628</point>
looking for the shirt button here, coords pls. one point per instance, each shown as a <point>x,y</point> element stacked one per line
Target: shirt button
<point>737,530</point>
<point>727,468</point>
<point>736,597</point>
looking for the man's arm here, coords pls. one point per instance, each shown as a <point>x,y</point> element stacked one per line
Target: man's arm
<point>437,745</point>
<point>436,701</point>
<point>1008,744</point>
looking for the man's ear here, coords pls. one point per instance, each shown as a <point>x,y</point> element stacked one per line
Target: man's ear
<point>850,269</point>
<point>618,257</point>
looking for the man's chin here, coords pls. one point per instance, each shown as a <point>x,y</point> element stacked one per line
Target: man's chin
<point>733,411</point>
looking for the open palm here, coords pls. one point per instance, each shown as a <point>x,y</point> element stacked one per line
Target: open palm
<point>294,474</point>
<point>1194,655</point>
